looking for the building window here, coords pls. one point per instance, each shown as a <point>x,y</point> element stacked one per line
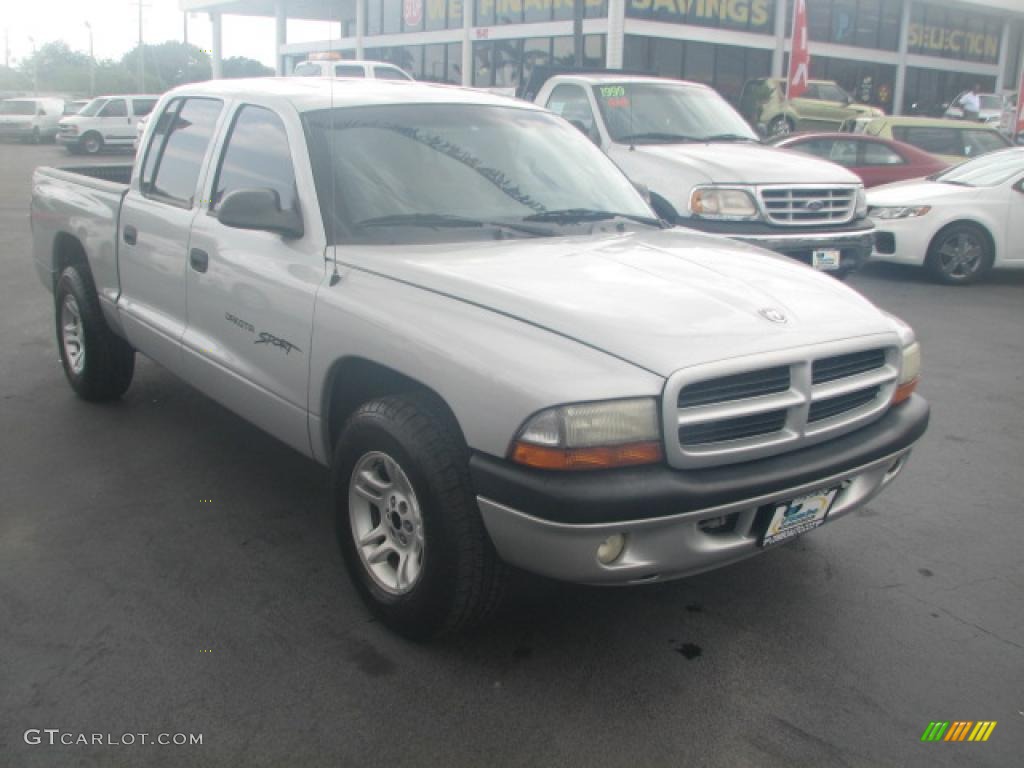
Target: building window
<point>509,63</point>
<point>744,15</point>
<point>866,82</point>
<point>863,23</point>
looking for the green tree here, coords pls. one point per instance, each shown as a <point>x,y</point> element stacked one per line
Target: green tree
<point>169,64</point>
<point>58,67</point>
<point>240,66</point>
<point>12,80</point>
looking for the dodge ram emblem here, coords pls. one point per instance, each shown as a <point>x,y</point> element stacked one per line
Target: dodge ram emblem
<point>775,315</point>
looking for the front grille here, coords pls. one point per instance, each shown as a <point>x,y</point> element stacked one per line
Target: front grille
<point>841,366</point>
<point>834,406</point>
<point>737,387</point>
<point>804,206</point>
<point>724,414</point>
<point>733,429</point>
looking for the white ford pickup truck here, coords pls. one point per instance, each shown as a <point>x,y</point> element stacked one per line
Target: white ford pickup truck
<point>706,168</point>
<point>464,309</point>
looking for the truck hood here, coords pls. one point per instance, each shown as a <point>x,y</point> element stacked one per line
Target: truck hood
<point>731,163</point>
<point>662,300</point>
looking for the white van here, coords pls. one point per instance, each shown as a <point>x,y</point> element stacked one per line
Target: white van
<point>106,121</point>
<point>340,68</point>
<point>30,119</point>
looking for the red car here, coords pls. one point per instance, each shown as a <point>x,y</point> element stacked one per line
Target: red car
<point>875,160</point>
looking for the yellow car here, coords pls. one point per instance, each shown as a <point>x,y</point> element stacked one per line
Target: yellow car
<point>823,107</point>
<point>952,141</point>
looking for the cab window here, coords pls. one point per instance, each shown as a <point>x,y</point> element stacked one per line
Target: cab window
<point>390,73</point>
<point>570,102</point>
<point>937,140</point>
<point>979,142</point>
<point>306,70</point>
<point>256,156</point>
<point>142,107</point>
<point>349,70</point>
<point>179,143</point>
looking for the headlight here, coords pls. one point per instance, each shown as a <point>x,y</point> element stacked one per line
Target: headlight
<point>898,211</point>
<point>910,373</point>
<point>616,433</point>
<point>722,203</point>
<point>862,204</point>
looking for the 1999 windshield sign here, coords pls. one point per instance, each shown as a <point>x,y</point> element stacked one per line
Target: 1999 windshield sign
<point>55,737</point>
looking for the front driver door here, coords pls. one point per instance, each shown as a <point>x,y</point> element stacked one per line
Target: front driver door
<point>251,292</point>
<point>1014,248</point>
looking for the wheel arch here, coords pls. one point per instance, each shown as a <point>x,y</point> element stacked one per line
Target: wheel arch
<point>352,381</point>
<point>68,251</point>
<point>984,228</point>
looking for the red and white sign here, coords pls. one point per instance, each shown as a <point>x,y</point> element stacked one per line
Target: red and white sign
<point>412,12</point>
<point>800,54</point>
<point>1020,107</point>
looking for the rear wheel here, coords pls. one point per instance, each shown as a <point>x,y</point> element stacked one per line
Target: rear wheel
<point>781,126</point>
<point>98,364</point>
<point>407,521</point>
<point>959,254</point>
<point>91,143</point>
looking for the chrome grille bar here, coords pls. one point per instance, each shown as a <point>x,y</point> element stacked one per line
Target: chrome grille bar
<point>810,204</point>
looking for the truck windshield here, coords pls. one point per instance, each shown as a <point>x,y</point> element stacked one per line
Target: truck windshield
<point>17,108</point>
<point>667,113</point>
<point>416,172</point>
<point>94,106</point>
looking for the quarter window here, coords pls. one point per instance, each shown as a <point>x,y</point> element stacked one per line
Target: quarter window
<point>181,137</point>
<point>257,157</point>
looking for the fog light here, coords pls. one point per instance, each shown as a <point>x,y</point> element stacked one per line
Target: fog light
<point>610,549</point>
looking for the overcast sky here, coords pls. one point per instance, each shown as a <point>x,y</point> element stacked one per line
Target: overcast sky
<point>115,25</point>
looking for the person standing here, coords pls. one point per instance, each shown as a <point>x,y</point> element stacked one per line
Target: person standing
<point>971,103</point>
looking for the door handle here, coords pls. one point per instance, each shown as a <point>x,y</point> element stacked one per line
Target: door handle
<point>131,235</point>
<point>199,259</point>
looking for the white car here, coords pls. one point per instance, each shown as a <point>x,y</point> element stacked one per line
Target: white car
<point>958,223</point>
<point>377,70</point>
<point>30,119</point>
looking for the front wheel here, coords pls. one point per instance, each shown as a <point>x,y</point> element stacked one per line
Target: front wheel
<point>92,143</point>
<point>98,364</point>
<point>781,126</point>
<point>959,254</point>
<point>407,521</point>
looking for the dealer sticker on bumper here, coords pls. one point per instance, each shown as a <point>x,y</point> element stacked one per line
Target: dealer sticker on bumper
<point>791,518</point>
<point>827,259</point>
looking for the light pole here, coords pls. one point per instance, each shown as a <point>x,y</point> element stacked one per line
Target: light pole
<point>35,67</point>
<point>92,64</point>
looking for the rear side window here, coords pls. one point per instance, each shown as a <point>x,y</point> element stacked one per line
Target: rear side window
<point>349,70</point>
<point>256,156</point>
<point>390,73</point>
<point>879,154</point>
<point>179,144</point>
<point>115,108</point>
<point>306,70</point>
<point>938,140</point>
<point>142,107</point>
<point>979,142</point>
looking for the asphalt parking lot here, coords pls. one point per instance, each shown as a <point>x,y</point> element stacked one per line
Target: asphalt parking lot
<point>167,568</point>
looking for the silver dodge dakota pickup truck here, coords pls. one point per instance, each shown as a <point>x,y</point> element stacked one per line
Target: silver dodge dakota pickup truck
<point>462,307</point>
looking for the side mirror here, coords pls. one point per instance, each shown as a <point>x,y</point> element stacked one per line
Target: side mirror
<point>259,209</point>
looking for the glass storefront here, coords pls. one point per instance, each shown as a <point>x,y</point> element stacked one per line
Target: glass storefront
<point>491,13</point>
<point>437,63</point>
<point>724,67</point>
<point>508,63</point>
<point>867,82</point>
<point>863,23</point>
<point>929,91</point>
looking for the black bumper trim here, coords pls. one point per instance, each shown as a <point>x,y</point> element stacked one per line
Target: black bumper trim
<point>647,492</point>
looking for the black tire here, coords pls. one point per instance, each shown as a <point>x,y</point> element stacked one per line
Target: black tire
<point>959,254</point>
<point>781,126</point>
<point>461,579</point>
<point>105,370</point>
<point>91,143</point>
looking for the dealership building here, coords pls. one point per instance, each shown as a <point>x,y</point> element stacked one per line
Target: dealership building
<point>901,55</point>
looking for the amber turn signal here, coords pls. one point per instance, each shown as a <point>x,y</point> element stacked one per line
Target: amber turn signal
<point>904,391</point>
<point>603,457</point>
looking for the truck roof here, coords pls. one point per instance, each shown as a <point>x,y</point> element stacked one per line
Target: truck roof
<point>311,93</point>
<point>612,77</point>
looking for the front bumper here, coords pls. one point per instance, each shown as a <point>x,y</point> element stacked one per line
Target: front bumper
<point>677,523</point>
<point>902,241</point>
<point>854,242</point>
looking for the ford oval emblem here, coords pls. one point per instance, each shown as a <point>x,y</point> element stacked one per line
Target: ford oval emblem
<point>772,314</point>
<point>815,205</point>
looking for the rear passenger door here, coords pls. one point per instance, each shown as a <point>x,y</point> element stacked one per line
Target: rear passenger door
<point>156,218</point>
<point>251,292</point>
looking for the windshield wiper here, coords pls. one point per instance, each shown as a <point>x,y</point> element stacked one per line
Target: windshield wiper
<point>444,221</point>
<point>571,215</point>
<point>729,137</point>
<point>656,136</point>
